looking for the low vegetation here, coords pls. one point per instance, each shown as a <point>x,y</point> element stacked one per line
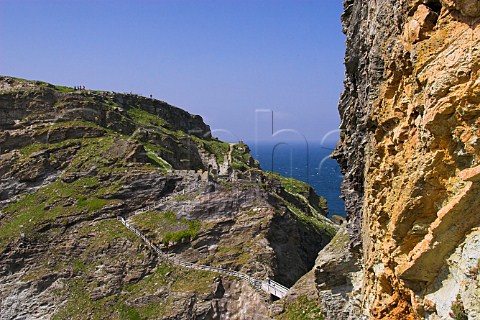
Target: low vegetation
<point>156,159</point>
<point>145,118</point>
<point>54,203</point>
<point>320,225</point>
<point>458,310</point>
<point>295,186</point>
<point>311,213</point>
<point>165,227</point>
<point>182,281</point>
<point>233,257</point>
<point>302,308</point>
<point>213,146</point>
<point>241,158</point>
<point>94,184</point>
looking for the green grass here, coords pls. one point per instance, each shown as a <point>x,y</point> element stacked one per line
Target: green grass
<point>81,306</point>
<point>99,152</point>
<point>154,219</point>
<point>241,157</point>
<point>182,235</point>
<point>185,197</point>
<point>176,279</point>
<point>79,303</point>
<point>322,204</point>
<point>291,185</point>
<point>229,250</point>
<point>160,277</point>
<point>63,89</point>
<point>38,146</point>
<point>129,313</point>
<point>193,281</point>
<point>58,201</point>
<point>156,159</point>
<point>145,118</point>
<point>165,227</point>
<point>458,310</point>
<point>22,217</point>
<point>78,289</point>
<point>235,255</point>
<point>107,231</point>
<point>328,228</point>
<point>218,148</point>
<point>94,153</point>
<point>302,308</point>
<point>34,147</point>
<point>68,125</point>
<point>78,266</point>
<point>48,205</point>
<point>301,190</point>
<point>91,204</point>
<point>340,242</point>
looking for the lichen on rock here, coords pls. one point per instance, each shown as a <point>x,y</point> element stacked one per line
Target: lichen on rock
<point>71,161</point>
<point>409,150</point>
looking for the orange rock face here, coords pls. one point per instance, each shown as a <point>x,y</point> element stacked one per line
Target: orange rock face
<point>419,153</point>
<point>421,184</point>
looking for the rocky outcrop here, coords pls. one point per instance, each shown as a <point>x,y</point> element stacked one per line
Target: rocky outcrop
<point>334,283</point>
<point>410,152</point>
<point>71,161</point>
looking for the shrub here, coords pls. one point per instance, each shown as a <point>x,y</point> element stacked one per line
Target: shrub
<point>458,310</point>
<point>182,235</point>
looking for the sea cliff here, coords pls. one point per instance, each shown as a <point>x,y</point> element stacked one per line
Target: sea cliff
<point>410,152</point>
<point>73,161</point>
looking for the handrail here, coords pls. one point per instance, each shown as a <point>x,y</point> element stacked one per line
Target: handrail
<point>269,286</point>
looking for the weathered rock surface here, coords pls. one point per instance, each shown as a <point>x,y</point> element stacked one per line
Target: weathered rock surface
<point>410,153</point>
<point>71,161</point>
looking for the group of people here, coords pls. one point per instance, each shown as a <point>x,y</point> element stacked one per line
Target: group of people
<point>79,88</point>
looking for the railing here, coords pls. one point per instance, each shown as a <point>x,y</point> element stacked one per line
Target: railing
<point>268,286</point>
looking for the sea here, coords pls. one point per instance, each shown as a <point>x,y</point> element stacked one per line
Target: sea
<point>308,162</point>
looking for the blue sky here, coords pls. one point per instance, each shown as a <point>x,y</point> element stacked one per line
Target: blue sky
<point>220,59</point>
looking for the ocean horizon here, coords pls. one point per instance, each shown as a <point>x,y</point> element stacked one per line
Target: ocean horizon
<point>308,162</point>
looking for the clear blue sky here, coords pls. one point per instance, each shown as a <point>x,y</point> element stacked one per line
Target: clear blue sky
<point>220,59</point>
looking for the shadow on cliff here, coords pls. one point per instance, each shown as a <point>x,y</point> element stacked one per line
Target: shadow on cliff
<point>296,246</point>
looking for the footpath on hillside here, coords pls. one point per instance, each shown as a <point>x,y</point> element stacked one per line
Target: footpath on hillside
<point>269,286</point>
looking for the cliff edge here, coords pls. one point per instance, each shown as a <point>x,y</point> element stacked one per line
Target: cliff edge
<point>410,155</point>
<point>72,161</point>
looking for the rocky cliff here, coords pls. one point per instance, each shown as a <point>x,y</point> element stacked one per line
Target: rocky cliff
<point>410,153</point>
<point>71,161</point>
